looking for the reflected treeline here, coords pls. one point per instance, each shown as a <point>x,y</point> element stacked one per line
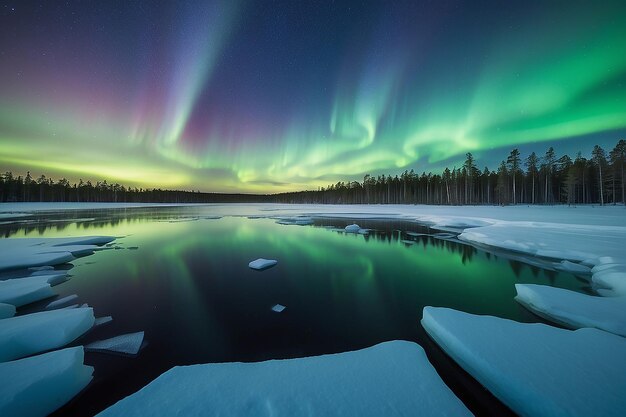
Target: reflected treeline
<point>91,220</point>
<point>410,234</point>
<point>407,232</point>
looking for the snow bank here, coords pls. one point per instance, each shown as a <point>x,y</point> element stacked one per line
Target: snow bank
<point>535,369</point>
<point>39,385</point>
<point>587,244</point>
<point>389,379</point>
<point>574,310</point>
<point>127,344</point>
<point>261,264</point>
<point>37,332</point>
<point>6,310</point>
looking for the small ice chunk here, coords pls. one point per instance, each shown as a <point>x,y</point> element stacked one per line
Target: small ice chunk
<point>37,332</point>
<point>390,379</point>
<point>61,302</point>
<point>128,344</point>
<point>352,228</point>
<point>39,385</point>
<point>133,247</point>
<point>572,267</point>
<point>41,268</point>
<point>261,264</point>
<point>536,369</point>
<point>6,310</point>
<point>278,308</point>
<point>103,320</point>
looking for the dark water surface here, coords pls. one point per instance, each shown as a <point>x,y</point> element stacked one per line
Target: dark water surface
<point>188,286</point>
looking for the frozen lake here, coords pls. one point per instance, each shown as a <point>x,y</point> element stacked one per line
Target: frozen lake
<point>182,276</point>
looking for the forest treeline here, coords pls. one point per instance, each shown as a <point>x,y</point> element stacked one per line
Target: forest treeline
<point>530,179</point>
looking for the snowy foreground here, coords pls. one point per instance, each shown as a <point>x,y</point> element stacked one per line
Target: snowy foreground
<point>389,379</point>
<point>535,369</point>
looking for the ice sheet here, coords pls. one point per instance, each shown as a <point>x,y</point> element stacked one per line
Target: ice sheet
<point>39,385</point>
<point>37,332</point>
<point>389,379</point>
<point>574,310</point>
<point>536,369</point>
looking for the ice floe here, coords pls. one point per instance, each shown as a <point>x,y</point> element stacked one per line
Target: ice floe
<point>103,320</point>
<point>6,310</point>
<point>127,344</point>
<point>278,308</point>
<point>61,302</point>
<point>572,267</point>
<point>36,252</point>
<point>37,332</point>
<point>39,385</point>
<point>536,369</point>
<point>22,291</point>
<point>389,379</point>
<point>261,264</point>
<point>574,310</point>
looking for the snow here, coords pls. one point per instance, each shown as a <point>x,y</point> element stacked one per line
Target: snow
<point>261,264</point>
<point>37,332</point>
<point>278,308</point>
<point>536,369</point>
<point>61,302</point>
<point>574,310</point>
<point>352,228</point>
<point>128,344</point>
<point>389,379</point>
<point>6,310</point>
<point>39,385</point>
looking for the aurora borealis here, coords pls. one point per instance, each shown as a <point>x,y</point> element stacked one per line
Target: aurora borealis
<point>278,96</point>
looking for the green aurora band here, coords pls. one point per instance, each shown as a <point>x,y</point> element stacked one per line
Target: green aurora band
<point>392,106</point>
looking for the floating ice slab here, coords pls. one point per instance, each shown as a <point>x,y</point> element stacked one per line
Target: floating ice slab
<point>536,369</point>
<point>22,291</point>
<point>574,310</point>
<point>389,379</point>
<point>61,302</point>
<point>35,252</point>
<point>127,344</point>
<point>352,228</point>
<point>261,264</point>
<point>278,308</point>
<point>39,385</point>
<point>37,332</point>
<point>6,310</point>
<point>103,320</point>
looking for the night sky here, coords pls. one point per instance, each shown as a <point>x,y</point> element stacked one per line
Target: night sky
<point>276,96</point>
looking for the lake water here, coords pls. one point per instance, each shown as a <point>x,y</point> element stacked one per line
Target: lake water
<point>184,279</point>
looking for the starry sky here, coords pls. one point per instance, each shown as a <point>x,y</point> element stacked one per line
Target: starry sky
<point>271,96</point>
